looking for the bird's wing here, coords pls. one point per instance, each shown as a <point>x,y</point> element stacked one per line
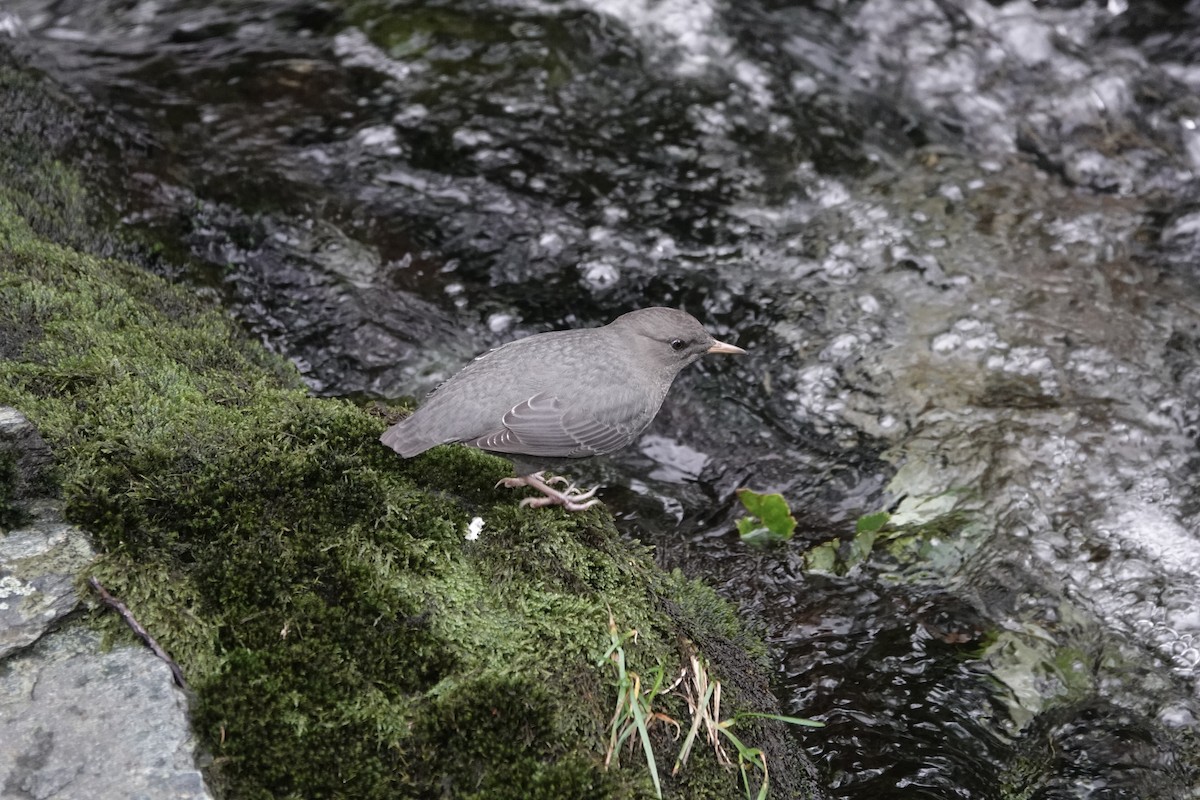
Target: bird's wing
<point>549,425</point>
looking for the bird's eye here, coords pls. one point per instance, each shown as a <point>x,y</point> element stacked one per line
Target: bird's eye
<point>677,344</point>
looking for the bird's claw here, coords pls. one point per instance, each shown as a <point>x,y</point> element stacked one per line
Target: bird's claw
<point>510,483</point>
<point>570,498</point>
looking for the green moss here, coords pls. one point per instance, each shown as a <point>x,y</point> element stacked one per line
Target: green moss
<point>502,729</point>
<point>700,610</point>
<point>342,637</point>
<point>38,125</point>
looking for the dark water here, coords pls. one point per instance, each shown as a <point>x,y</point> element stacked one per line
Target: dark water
<point>959,239</point>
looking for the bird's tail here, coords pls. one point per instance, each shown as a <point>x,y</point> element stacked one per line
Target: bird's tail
<point>404,440</point>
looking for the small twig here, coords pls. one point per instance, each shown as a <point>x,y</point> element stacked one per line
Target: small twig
<point>136,627</point>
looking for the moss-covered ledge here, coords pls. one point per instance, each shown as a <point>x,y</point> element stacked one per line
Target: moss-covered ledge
<point>342,637</point>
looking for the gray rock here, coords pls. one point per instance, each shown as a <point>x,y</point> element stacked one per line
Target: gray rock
<point>80,722</point>
<point>38,565</point>
<point>40,559</point>
<point>75,721</point>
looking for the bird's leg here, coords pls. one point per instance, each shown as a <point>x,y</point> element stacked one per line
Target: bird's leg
<point>571,499</point>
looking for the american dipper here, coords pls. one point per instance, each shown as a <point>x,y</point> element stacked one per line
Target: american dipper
<point>552,397</point>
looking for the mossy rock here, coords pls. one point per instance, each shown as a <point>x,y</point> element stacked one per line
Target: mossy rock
<point>342,637</point>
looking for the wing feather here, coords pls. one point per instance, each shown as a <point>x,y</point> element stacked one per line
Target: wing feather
<point>548,425</point>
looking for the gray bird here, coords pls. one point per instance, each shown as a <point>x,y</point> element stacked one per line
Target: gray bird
<point>552,397</point>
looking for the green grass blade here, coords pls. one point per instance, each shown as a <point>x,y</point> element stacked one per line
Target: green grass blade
<point>808,723</point>
<point>639,717</point>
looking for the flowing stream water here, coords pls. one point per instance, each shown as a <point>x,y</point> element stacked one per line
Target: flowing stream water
<point>960,241</point>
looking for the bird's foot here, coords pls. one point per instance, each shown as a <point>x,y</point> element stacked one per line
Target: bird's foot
<point>571,498</point>
<point>568,505</point>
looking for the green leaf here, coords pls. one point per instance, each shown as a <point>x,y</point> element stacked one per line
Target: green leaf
<point>872,522</point>
<point>752,533</point>
<point>769,512</point>
<point>822,558</point>
<point>748,526</point>
<point>860,547</point>
<point>866,531</point>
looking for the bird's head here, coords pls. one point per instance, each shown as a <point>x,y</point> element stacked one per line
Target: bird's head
<point>671,338</point>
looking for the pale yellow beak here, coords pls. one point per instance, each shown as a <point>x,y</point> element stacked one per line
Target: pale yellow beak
<point>721,347</point>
